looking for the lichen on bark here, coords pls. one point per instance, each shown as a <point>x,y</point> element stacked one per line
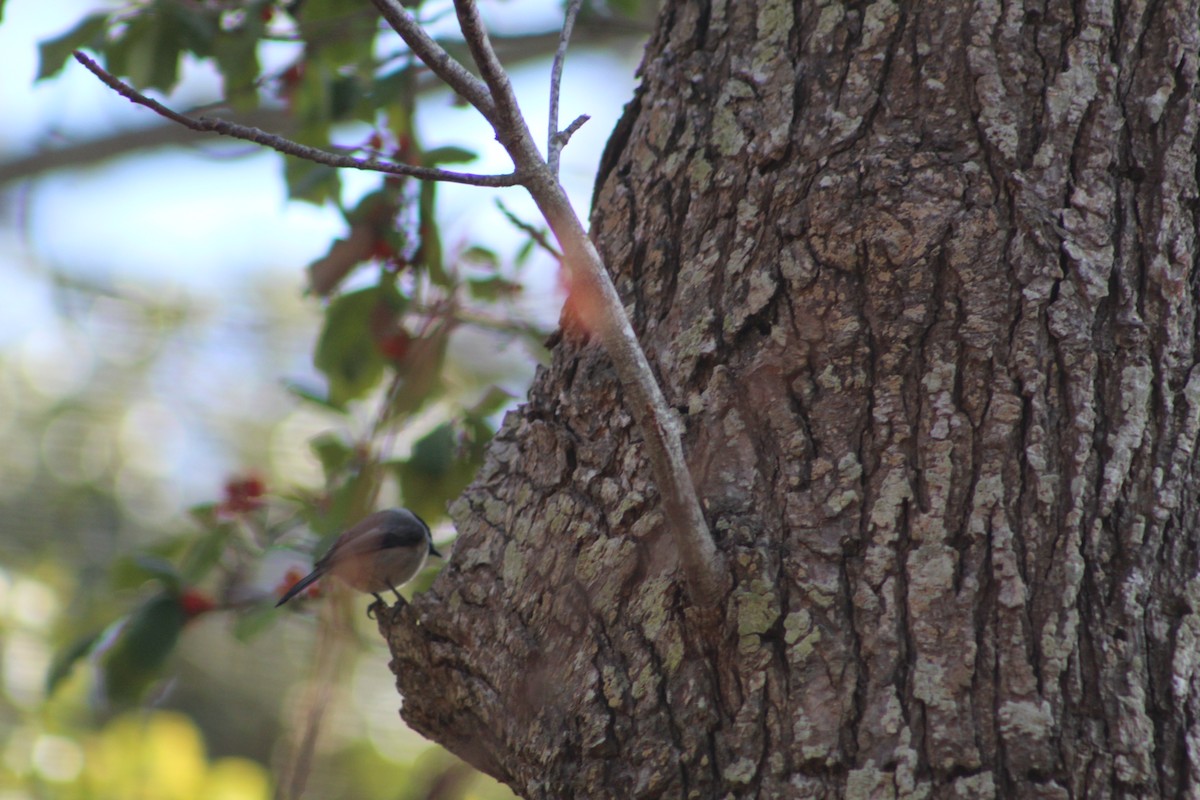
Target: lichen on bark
<point>921,282</point>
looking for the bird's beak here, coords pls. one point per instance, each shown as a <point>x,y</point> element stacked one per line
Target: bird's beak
<point>433,551</point>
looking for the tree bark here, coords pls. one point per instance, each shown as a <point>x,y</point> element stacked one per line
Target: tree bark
<point>922,283</point>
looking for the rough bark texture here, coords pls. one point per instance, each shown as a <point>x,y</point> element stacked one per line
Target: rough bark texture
<point>923,286</point>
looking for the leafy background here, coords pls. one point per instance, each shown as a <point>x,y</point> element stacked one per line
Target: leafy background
<point>188,413</point>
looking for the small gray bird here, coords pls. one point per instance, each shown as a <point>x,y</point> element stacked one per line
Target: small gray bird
<point>384,551</point>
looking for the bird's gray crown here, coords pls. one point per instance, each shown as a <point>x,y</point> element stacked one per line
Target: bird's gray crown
<point>401,528</point>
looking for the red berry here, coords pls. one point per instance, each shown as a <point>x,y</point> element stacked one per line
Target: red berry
<point>243,494</point>
<point>382,249</point>
<point>404,148</point>
<point>395,346</point>
<point>195,603</point>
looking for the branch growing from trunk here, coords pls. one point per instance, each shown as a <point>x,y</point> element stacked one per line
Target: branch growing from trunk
<point>702,563</point>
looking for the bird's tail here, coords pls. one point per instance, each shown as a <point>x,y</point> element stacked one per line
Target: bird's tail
<point>300,586</point>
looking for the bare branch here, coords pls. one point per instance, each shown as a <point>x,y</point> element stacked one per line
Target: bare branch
<point>555,144</point>
<point>444,65</point>
<point>703,565</point>
<point>511,125</point>
<point>562,137</point>
<point>287,146</point>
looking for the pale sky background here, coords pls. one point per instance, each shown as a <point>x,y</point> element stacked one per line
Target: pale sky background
<point>170,216</point>
<point>175,223</point>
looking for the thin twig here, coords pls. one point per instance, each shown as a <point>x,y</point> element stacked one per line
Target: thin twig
<point>533,232</point>
<point>444,65</point>
<point>287,146</point>
<point>562,137</point>
<point>554,144</point>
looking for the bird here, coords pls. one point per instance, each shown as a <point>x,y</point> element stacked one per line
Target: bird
<point>384,551</point>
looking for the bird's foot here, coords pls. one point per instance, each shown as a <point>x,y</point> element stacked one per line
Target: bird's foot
<point>374,608</point>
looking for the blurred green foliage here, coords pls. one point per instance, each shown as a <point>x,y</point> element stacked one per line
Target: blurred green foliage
<point>144,657</point>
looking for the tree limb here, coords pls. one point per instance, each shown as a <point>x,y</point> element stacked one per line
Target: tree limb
<point>287,146</point>
<point>702,563</point>
<point>555,141</point>
<point>444,65</point>
<point>600,31</point>
<point>512,123</point>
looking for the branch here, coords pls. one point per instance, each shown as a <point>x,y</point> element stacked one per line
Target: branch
<point>609,33</point>
<point>444,65</point>
<point>703,565</point>
<point>510,122</point>
<point>555,144</point>
<point>287,146</point>
<point>562,137</point>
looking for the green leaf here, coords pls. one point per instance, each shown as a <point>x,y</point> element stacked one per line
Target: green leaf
<point>313,183</point>
<point>346,351</point>
<point>524,252</point>
<point>421,372</point>
<point>341,33</point>
<point>430,252</point>
<point>205,553</point>
<point>130,572</point>
<point>255,620</point>
<point>344,93</point>
<point>333,453</point>
<point>627,8</point>
<point>148,53</point>
<point>346,503</point>
<point>65,660</point>
<point>492,289</point>
<point>434,454</point>
<point>477,432</point>
<point>190,26</point>
<point>141,648</point>
<point>395,95</point>
<point>437,471</point>
<point>448,155</point>
<point>482,255</point>
<point>428,495</point>
<point>53,53</point>
<point>308,101</point>
<point>236,55</point>
<point>312,396</point>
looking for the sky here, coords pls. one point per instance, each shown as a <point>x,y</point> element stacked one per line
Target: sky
<point>178,217</point>
<point>179,223</point>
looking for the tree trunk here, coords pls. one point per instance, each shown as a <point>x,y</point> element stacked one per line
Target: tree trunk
<point>922,283</point>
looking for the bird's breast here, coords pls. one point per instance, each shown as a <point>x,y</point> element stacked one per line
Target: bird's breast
<point>381,570</point>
